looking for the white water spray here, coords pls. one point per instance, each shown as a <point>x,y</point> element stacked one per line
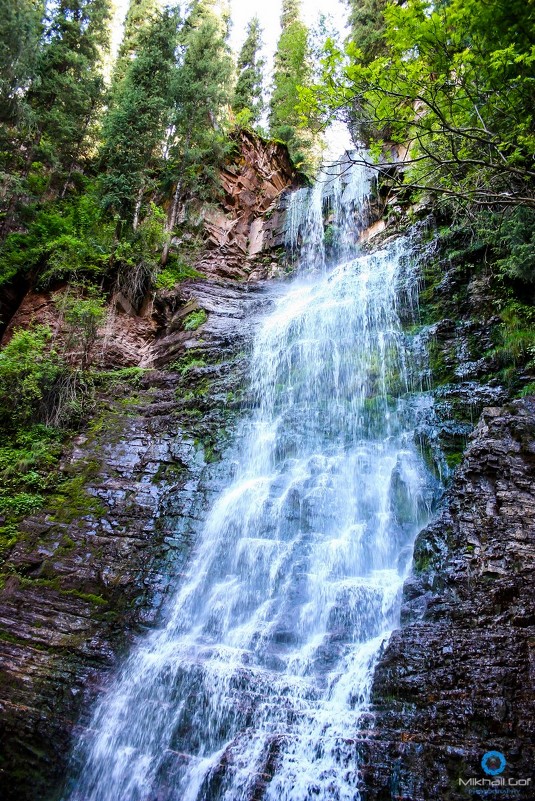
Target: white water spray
<point>253,687</point>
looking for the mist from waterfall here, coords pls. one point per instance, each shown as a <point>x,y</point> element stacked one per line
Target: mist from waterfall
<point>254,685</point>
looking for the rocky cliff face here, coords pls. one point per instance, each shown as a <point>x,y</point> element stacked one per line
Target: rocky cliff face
<point>457,679</point>
<point>88,572</point>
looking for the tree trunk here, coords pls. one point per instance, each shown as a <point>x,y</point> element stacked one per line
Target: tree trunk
<point>176,198</point>
<point>135,221</point>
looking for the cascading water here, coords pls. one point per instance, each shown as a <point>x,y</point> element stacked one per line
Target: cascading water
<point>253,687</point>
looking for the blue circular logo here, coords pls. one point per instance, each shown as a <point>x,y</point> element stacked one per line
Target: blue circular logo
<point>493,763</point>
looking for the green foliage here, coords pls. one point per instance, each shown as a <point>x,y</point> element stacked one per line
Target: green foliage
<point>367,24</point>
<point>174,273</point>
<point>137,256</point>
<point>119,377</point>
<point>19,46</point>
<point>516,335</point>
<point>28,369</point>
<point>188,363</point>
<point>455,83</point>
<point>28,459</point>
<point>139,16</point>
<point>194,320</point>
<point>68,85</point>
<point>201,92</point>
<point>248,91</point>
<point>83,312</point>
<point>512,237</point>
<point>23,503</point>
<point>73,500</point>
<point>65,240</point>
<point>529,389</point>
<point>292,73</point>
<point>139,114</point>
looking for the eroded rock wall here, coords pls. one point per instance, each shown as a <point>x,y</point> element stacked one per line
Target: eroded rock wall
<point>89,571</point>
<point>457,679</point>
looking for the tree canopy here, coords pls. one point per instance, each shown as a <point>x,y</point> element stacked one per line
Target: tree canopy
<point>135,124</point>
<point>249,86</point>
<point>454,83</point>
<point>292,73</point>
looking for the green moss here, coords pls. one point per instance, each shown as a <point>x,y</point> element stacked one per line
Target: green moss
<point>192,413</point>
<point>194,320</point>
<point>515,338</point>
<point>440,363</point>
<point>7,636</point>
<point>67,544</point>
<point>422,562</point>
<point>211,452</point>
<point>112,379</point>
<point>453,459</point>
<point>53,583</point>
<point>189,362</point>
<point>90,597</point>
<point>200,390</point>
<point>169,472</point>
<point>9,534</point>
<point>529,389</point>
<point>73,500</point>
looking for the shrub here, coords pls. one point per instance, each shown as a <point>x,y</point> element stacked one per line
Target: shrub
<point>28,369</point>
<point>194,320</point>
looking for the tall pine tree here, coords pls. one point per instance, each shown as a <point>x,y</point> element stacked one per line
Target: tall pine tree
<point>367,23</point>
<point>292,69</point>
<point>140,15</point>
<point>202,96</point>
<point>249,86</point>
<point>68,90</point>
<point>291,13</point>
<point>20,33</point>
<point>135,125</point>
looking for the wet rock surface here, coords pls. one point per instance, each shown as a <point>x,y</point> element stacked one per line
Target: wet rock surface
<point>456,680</point>
<point>90,573</point>
<point>91,570</point>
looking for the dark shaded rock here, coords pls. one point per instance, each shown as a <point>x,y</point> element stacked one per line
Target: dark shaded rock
<point>91,571</point>
<point>457,680</point>
<point>231,308</point>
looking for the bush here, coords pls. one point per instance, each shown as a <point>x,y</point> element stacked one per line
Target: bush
<point>65,240</point>
<point>83,312</point>
<point>194,320</point>
<point>174,273</point>
<point>138,257</point>
<point>28,369</point>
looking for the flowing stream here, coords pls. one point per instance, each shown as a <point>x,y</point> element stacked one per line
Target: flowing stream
<point>253,686</point>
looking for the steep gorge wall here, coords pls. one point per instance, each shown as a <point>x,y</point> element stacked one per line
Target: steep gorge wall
<point>88,572</point>
<point>456,681</point>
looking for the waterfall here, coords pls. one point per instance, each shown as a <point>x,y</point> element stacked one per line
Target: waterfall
<point>254,685</point>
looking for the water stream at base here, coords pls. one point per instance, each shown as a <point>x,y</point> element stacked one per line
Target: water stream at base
<point>253,687</point>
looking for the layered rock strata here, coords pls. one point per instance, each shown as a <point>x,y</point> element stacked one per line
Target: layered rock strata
<point>89,571</point>
<point>456,681</point>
